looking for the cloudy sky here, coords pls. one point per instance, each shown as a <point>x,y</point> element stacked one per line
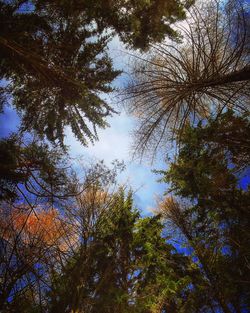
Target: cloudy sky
<point>115,142</point>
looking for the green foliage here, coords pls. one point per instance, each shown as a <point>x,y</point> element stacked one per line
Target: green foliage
<point>9,176</point>
<point>37,233</point>
<point>113,258</point>
<point>57,67</point>
<point>207,152</point>
<point>127,266</point>
<point>33,169</point>
<point>212,212</point>
<point>54,58</point>
<point>138,23</point>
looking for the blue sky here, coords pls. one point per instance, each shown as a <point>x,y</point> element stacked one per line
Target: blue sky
<point>114,142</point>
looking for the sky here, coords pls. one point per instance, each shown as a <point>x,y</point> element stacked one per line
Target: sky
<point>114,142</point>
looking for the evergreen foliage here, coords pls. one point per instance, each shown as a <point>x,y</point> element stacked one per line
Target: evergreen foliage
<point>54,58</point>
<point>76,245</point>
<point>126,265</point>
<point>33,169</point>
<point>211,210</point>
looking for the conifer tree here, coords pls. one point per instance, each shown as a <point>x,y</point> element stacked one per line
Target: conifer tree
<point>55,62</point>
<point>210,208</point>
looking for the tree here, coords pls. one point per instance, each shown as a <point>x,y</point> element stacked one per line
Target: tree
<point>37,234</point>
<point>31,242</point>
<point>227,134</point>
<point>123,263</point>
<point>54,58</point>
<point>207,72</point>
<point>32,169</point>
<point>137,23</point>
<point>212,210</point>
<point>57,66</point>
<point>34,182</point>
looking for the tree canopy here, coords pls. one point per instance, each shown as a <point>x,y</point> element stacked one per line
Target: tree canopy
<point>91,248</point>
<point>32,168</point>
<point>72,239</point>
<point>56,66</point>
<point>55,62</point>
<point>211,210</point>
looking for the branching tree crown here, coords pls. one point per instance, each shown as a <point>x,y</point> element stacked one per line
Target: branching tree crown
<point>208,71</point>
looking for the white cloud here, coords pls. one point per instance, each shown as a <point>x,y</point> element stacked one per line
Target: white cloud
<point>115,143</point>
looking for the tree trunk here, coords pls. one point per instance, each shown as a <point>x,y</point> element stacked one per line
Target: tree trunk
<point>237,76</point>
<point>234,77</point>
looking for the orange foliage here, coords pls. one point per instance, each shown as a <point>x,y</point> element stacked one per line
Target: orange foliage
<point>39,226</point>
<point>166,204</point>
<point>94,197</point>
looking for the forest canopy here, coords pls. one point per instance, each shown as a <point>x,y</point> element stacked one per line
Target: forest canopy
<point>74,238</point>
<point>54,57</point>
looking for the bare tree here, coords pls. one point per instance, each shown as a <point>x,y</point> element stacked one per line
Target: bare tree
<point>208,72</point>
<point>31,241</point>
<point>38,235</point>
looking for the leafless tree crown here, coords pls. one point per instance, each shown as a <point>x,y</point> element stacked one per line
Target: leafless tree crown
<point>207,72</point>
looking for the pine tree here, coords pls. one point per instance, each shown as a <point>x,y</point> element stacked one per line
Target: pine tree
<point>211,209</point>
<point>123,263</point>
<point>54,58</point>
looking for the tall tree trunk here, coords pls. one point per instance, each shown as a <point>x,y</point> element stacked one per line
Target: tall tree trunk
<point>241,75</point>
<point>237,76</point>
